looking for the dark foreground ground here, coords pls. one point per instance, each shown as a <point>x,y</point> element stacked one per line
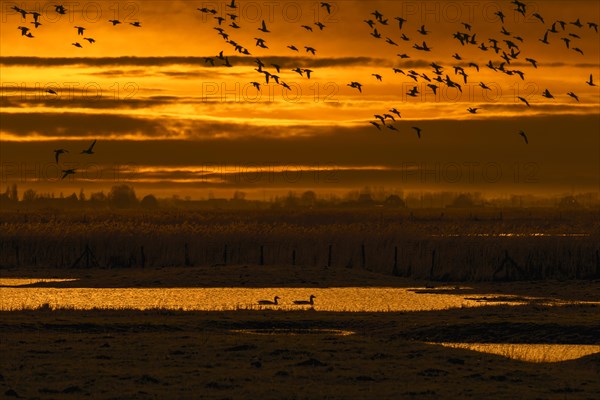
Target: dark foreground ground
<point>125,354</point>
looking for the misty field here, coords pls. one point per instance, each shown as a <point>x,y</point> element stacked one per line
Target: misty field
<point>437,244</point>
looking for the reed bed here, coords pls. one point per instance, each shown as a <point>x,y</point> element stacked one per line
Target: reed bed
<point>445,244</point>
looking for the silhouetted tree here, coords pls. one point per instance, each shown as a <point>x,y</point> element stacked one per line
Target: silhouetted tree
<point>122,196</point>
<point>29,195</point>
<point>149,202</point>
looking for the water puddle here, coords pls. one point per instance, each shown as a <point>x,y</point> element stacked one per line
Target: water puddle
<point>534,353</point>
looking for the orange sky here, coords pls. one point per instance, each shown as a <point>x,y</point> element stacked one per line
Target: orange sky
<point>167,121</point>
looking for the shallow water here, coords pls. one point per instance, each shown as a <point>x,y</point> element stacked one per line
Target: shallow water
<point>538,353</point>
<point>351,299</point>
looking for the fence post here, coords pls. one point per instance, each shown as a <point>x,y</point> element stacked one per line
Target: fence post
<point>187,255</point>
<point>395,270</point>
<point>432,265</point>
<point>363,256</point>
<point>142,257</point>
<point>262,255</point>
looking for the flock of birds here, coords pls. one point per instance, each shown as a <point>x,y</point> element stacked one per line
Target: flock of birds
<point>310,301</point>
<point>71,171</point>
<point>60,9</point>
<point>508,51</point>
<point>504,50</point>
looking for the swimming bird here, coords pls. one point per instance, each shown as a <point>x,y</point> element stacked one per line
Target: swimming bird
<point>524,136</point>
<point>263,27</point>
<point>523,100</point>
<point>591,81</point>
<point>90,150</point>
<point>137,24</point>
<point>58,152</point>
<point>80,30</point>
<point>67,172</point>
<point>305,302</point>
<point>573,95</point>
<point>269,302</point>
<point>418,131</point>
<point>114,21</point>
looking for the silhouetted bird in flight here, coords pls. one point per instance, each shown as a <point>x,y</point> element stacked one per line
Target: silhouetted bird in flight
<point>577,23</point>
<point>500,15</point>
<point>524,136</point>
<point>532,61</point>
<point>378,77</point>
<point>89,39</point>
<point>76,44</point>
<point>593,25</point>
<point>114,21</point>
<point>472,110</point>
<point>401,21</point>
<point>524,100</point>
<point>23,30</point>
<point>51,92</point>
<point>356,85</point>
<point>591,81</point>
<point>67,172</point>
<point>395,111</point>
<point>545,38</point>
<point>89,150</point>
<point>80,30</point>
<point>263,27</point>
<point>292,47</point>
<point>58,152</point>
<point>422,31</point>
<point>547,94</point>
<point>308,28</point>
<point>327,7</point>
<point>256,85</point>
<point>418,131</point>
<point>60,9</point>
<point>21,11</point>
<point>573,95</point>
<point>375,124</point>
<point>232,4</point>
<point>310,50</point>
<point>137,24</point>
<point>320,25</point>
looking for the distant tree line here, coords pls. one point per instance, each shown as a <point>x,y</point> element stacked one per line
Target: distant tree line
<point>124,197</point>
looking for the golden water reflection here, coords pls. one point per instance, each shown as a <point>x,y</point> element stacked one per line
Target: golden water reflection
<point>347,299</point>
<point>536,353</point>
